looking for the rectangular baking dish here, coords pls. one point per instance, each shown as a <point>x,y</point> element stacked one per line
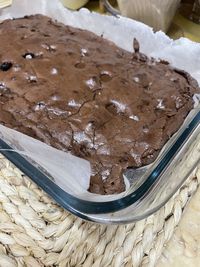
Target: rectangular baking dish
<point>154,185</point>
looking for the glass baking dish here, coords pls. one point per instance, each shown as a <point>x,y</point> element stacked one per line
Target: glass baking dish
<point>151,187</point>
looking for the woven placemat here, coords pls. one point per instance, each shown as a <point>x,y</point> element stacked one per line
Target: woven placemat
<point>183,249</point>
<point>34,231</point>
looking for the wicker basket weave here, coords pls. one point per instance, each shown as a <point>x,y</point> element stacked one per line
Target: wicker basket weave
<point>34,231</point>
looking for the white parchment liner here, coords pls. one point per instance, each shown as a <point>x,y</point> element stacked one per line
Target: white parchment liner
<point>71,173</point>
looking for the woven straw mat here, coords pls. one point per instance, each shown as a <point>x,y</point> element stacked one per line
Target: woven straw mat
<point>34,231</point>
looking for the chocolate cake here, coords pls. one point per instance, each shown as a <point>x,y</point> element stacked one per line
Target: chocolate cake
<point>81,93</point>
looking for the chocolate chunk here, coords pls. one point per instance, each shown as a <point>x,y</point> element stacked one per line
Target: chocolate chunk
<point>5,66</point>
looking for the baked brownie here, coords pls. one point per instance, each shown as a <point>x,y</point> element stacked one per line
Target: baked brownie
<point>81,93</point>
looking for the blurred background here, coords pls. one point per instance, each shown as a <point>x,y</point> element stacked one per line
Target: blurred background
<point>175,17</point>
